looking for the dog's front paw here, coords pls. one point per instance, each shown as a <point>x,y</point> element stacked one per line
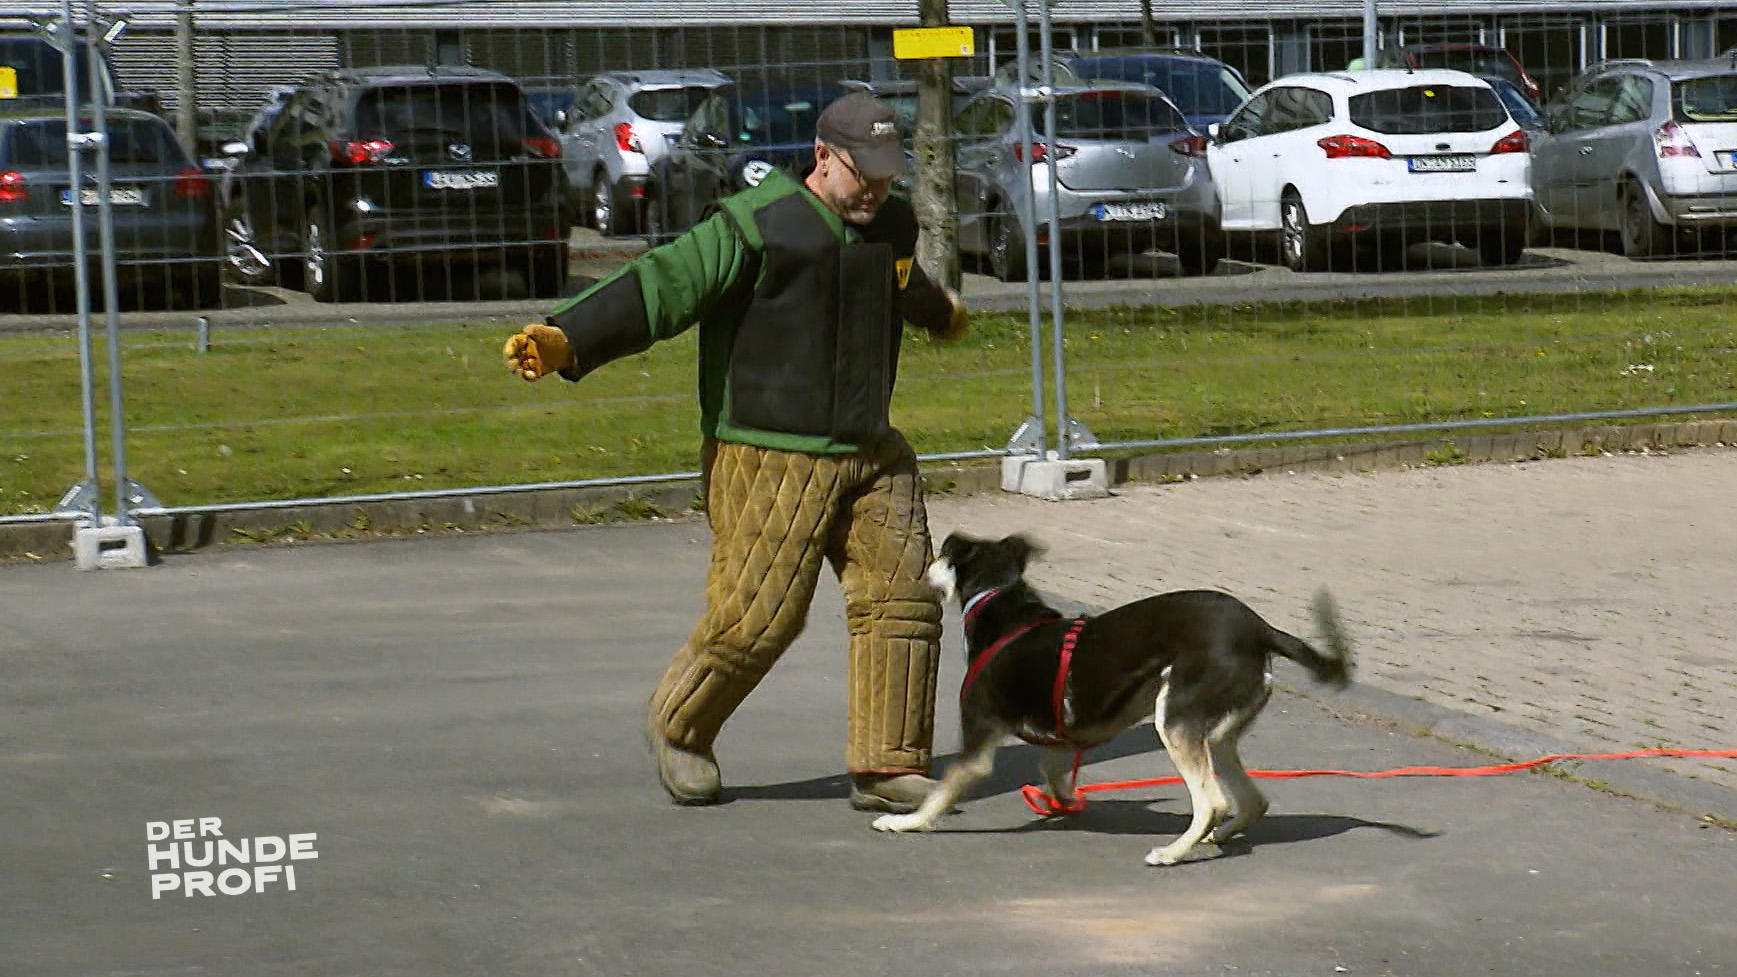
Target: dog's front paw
<point>1171,855</point>
<point>902,822</point>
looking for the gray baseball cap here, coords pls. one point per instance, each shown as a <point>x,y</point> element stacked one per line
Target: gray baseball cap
<point>866,128</point>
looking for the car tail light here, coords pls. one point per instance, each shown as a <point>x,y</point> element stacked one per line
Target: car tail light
<point>1189,145</point>
<point>191,184</point>
<point>1513,142</point>
<point>626,139</point>
<point>359,151</point>
<point>1670,140</point>
<point>543,147</point>
<point>12,189</point>
<point>1040,151</point>
<point>1353,147</point>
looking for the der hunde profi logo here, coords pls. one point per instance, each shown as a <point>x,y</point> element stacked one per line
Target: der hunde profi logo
<point>193,857</point>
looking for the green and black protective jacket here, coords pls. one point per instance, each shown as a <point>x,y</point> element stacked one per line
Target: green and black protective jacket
<point>800,315</point>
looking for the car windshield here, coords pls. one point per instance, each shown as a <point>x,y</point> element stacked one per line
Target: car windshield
<point>1706,99</point>
<point>667,104</point>
<point>1428,108</point>
<point>1197,87</point>
<point>1115,115</point>
<point>42,142</point>
<point>767,118</point>
<point>1472,61</point>
<point>483,114</point>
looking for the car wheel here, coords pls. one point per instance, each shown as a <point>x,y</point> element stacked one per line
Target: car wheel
<point>1199,249</point>
<point>1006,247</point>
<point>324,276</point>
<point>251,265</point>
<point>1302,246</point>
<point>1642,236</point>
<point>603,216</point>
<point>1501,245</point>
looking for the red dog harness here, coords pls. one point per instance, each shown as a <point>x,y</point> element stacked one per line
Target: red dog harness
<point>1058,698</point>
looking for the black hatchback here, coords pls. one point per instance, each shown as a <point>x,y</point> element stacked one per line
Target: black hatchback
<point>434,173</point>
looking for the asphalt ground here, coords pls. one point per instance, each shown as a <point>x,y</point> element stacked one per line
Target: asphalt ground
<point>456,721</point>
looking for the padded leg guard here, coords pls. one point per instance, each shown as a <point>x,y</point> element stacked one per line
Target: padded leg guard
<point>770,514</point>
<point>882,553</point>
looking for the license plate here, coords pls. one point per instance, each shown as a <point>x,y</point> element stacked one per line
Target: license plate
<point>119,196</point>
<point>461,179</point>
<point>1139,210</point>
<point>1443,164</point>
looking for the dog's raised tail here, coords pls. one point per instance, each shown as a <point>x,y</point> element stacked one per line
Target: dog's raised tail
<point>1334,667</point>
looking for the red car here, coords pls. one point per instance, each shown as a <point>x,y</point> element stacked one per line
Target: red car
<point>1476,59</point>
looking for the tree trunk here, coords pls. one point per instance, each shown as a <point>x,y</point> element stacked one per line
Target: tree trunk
<point>932,193</point>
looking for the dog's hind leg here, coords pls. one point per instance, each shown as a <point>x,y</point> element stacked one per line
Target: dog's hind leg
<point>1188,750</point>
<point>1228,770</point>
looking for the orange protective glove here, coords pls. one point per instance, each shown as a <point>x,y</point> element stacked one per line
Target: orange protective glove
<point>536,351</point>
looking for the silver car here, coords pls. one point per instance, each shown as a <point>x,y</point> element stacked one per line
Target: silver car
<point>619,126</point>
<point>1644,148</point>
<point>1130,175</point>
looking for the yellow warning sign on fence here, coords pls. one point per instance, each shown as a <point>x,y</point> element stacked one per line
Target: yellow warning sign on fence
<point>8,81</point>
<point>911,43</point>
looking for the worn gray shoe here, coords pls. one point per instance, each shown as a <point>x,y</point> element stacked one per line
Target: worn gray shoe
<point>892,793</point>
<point>690,778</point>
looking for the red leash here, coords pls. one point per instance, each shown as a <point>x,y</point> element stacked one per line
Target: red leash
<point>1046,806</point>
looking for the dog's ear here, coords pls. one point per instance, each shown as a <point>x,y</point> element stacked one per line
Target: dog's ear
<point>1022,548</point>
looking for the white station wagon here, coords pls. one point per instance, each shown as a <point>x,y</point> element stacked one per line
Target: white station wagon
<point>1376,160</point>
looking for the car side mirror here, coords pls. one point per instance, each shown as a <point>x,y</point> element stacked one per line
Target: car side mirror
<point>235,148</point>
<point>1215,132</point>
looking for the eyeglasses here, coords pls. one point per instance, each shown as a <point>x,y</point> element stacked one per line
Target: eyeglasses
<point>855,173</point>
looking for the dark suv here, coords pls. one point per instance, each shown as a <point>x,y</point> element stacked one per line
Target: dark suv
<point>426,170</point>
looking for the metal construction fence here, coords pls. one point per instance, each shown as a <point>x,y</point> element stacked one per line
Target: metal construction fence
<point>261,253</point>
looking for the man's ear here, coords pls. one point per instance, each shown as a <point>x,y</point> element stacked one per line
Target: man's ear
<point>1022,548</point>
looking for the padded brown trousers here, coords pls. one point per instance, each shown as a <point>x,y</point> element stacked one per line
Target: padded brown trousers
<point>775,515</point>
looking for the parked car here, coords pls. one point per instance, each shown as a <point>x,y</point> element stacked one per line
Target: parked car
<point>367,170</point>
<point>1385,158</point>
<point>552,103</point>
<point>1527,113</point>
<point>1473,59</point>
<point>620,127</point>
<point>737,135</point>
<point>165,220</point>
<point>901,94</point>
<point>38,75</point>
<point>1644,148</point>
<point>1130,175</point>
<point>1203,87</point>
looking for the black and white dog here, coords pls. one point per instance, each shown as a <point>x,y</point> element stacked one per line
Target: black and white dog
<point>1195,660</point>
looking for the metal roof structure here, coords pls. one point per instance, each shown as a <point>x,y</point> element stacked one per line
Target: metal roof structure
<point>425,14</point>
